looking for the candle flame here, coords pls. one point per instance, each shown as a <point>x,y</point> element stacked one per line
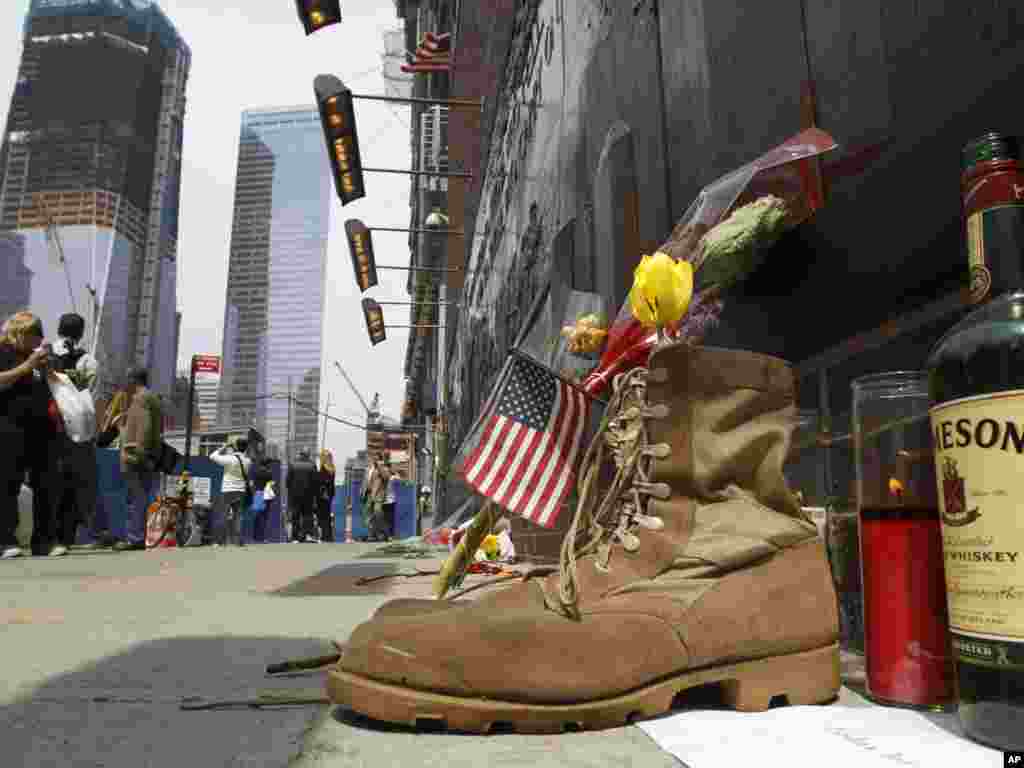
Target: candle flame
<point>895,487</point>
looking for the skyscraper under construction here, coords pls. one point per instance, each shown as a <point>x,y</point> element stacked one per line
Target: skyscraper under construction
<point>90,171</point>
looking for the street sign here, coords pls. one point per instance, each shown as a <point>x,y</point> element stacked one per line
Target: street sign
<point>205,364</point>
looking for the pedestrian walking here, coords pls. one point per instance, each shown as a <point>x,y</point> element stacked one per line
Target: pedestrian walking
<point>324,513</point>
<point>77,449</point>
<point>141,445</point>
<point>262,476</point>
<point>235,491</point>
<point>23,402</point>
<point>423,509</point>
<point>66,475</point>
<point>372,498</point>
<point>390,500</point>
<point>302,492</point>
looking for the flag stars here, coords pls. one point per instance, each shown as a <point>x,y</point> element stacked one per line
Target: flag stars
<point>529,395</point>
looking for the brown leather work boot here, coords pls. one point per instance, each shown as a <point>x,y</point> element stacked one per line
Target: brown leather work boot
<point>694,566</point>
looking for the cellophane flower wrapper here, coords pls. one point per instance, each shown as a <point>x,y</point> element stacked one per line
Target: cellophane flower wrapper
<point>785,172</point>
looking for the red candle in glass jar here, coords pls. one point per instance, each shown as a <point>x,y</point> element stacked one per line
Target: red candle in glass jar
<point>907,648</point>
<point>908,655</point>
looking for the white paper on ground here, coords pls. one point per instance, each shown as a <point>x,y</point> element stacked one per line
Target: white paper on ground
<point>809,737</point>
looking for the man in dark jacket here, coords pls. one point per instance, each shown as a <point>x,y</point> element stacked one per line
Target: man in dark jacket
<point>303,484</point>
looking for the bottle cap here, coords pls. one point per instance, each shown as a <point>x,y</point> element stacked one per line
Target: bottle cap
<point>991,146</point>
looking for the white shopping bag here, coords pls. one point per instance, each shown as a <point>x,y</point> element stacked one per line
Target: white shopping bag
<point>76,407</point>
<point>268,492</point>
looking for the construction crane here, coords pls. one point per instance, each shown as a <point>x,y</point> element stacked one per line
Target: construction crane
<point>54,244</point>
<point>56,248</point>
<point>372,412</point>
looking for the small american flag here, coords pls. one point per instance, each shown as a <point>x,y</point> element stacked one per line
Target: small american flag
<point>522,453</point>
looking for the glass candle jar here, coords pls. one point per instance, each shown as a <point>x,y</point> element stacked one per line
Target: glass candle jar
<point>906,629</point>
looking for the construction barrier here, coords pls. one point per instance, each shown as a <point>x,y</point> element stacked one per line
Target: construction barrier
<point>112,495</point>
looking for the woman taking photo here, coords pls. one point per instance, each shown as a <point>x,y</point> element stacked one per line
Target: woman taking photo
<point>24,397</point>
<point>233,488</point>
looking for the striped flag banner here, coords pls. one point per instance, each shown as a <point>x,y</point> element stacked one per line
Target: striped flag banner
<point>522,451</point>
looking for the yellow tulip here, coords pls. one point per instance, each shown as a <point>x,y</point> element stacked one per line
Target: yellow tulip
<point>490,546</point>
<point>662,289</point>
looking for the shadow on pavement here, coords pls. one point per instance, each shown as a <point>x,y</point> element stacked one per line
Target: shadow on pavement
<point>345,579</point>
<point>124,709</point>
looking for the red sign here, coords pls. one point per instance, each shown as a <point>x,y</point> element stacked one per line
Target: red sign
<point>205,364</point>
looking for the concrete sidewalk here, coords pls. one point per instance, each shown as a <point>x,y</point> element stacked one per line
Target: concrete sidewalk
<point>100,649</point>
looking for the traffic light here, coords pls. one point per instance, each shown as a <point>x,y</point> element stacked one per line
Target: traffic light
<point>374,321</point>
<point>360,245</point>
<point>317,14</point>
<point>338,120</point>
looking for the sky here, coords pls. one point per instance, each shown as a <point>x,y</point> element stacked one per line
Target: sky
<point>248,55</point>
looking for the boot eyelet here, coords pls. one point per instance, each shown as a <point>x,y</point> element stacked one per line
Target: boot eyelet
<point>660,450</point>
<point>658,411</point>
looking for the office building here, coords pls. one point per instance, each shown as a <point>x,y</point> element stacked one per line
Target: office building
<point>276,276</point>
<point>90,169</point>
<point>207,392</point>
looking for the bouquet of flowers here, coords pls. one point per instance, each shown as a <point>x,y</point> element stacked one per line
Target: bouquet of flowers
<point>678,292</point>
<point>82,380</point>
<point>587,335</point>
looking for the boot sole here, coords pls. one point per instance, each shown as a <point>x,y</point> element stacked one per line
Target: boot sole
<point>809,677</point>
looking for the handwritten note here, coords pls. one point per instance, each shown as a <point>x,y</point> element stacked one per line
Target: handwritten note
<point>837,735</point>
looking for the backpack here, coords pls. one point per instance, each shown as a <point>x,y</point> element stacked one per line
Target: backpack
<point>69,360</point>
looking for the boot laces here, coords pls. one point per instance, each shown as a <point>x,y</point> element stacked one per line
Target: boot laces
<point>623,438</point>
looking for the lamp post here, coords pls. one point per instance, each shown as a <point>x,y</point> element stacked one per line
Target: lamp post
<point>437,223</point>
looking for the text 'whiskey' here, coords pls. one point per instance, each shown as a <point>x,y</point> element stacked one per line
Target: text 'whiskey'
<point>976,382</point>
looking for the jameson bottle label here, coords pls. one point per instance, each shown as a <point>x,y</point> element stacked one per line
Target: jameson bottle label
<point>999,227</point>
<point>979,463</point>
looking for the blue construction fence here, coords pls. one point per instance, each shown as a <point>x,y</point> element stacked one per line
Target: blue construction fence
<point>405,510</point>
<point>111,494</point>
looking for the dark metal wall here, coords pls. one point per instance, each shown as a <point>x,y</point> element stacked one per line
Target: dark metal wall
<point>610,117</point>
<point>926,76</point>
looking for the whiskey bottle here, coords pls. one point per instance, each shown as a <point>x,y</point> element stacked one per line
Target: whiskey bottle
<point>976,382</point>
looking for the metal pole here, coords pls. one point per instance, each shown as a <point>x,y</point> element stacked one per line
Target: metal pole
<point>419,100</point>
<point>454,232</point>
<point>417,303</point>
<point>323,438</point>
<point>437,174</point>
<point>288,440</point>
<point>283,496</point>
<point>188,414</point>
<point>825,426</point>
<point>423,269</point>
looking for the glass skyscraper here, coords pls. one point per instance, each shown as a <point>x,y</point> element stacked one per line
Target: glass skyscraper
<point>273,315</point>
<point>90,171</point>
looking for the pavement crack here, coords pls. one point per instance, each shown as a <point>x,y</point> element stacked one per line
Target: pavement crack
<point>103,700</point>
